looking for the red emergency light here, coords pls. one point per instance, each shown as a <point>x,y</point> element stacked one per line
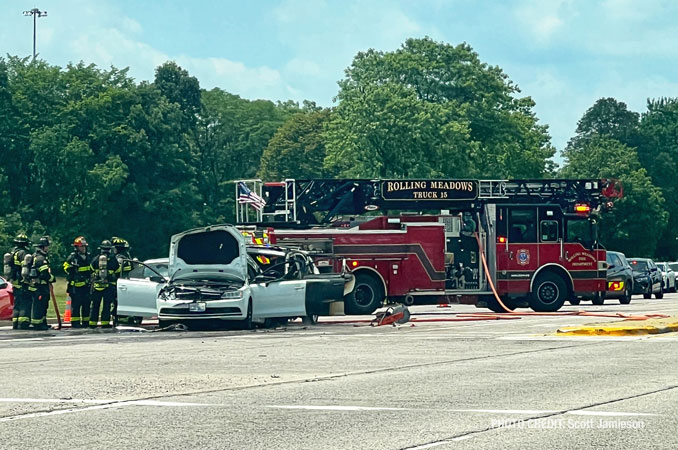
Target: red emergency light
<point>582,208</point>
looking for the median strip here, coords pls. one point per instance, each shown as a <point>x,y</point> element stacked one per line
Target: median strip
<point>623,328</point>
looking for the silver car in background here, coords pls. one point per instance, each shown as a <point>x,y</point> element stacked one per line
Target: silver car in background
<point>669,276</point>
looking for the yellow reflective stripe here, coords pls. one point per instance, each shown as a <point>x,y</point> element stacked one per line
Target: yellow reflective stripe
<point>15,319</point>
<point>78,283</point>
<point>76,318</point>
<point>24,319</point>
<point>92,322</point>
<point>66,266</point>
<point>105,322</point>
<point>36,321</point>
<point>85,318</point>
<point>83,269</point>
<point>43,268</point>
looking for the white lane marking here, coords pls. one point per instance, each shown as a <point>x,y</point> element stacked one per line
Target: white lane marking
<point>109,405</point>
<point>434,444</point>
<point>55,400</point>
<point>462,438</point>
<point>576,412</point>
<point>336,408</point>
<point>579,412</point>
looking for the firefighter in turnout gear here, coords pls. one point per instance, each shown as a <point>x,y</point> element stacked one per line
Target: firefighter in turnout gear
<point>41,276</point>
<point>78,274</point>
<point>121,251</point>
<point>12,262</point>
<point>105,271</point>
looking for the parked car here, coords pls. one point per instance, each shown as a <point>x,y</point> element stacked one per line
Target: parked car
<point>6,299</point>
<point>212,277</point>
<point>669,276</point>
<point>619,278</point>
<point>647,278</point>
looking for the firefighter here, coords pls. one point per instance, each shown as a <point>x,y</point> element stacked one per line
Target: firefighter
<point>121,250</point>
<point>12,261</point>
<point>78,274</point>
<point>41,276</point>
<point>105,270</point>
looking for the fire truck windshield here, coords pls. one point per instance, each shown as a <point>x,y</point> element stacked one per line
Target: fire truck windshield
<point>579,229</point>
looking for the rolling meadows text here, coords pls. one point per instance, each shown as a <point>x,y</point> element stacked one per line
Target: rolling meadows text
<point>567,424</point>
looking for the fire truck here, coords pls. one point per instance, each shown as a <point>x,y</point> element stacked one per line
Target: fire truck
<point>424,241</point>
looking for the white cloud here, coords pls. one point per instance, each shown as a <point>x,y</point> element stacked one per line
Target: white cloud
<point>543,19</point>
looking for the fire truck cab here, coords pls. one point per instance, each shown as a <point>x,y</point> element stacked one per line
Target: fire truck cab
<point>518,243</point>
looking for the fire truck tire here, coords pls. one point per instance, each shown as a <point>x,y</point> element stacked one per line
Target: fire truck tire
<point>494,306</point>
<point>367,296</point>
<point>548,293</point>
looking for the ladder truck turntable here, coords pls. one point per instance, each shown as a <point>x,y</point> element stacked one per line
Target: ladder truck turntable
<point>538,237</point>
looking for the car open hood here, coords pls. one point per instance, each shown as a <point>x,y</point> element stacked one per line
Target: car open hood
<point>215,249</point>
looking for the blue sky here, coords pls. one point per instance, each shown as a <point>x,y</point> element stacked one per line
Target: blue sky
<point>565,54</point>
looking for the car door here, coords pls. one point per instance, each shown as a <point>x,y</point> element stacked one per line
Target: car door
<point>137,296</point>
<point>274,295</point>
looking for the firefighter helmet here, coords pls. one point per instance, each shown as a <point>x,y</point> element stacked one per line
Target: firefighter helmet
<point>120,243</point>
<point>80,241</point>
<point>43,242</point>
<point>105,245</point>
<point>21,239</point>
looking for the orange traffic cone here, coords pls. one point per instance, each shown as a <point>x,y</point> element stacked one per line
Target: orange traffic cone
<point>67,313</point>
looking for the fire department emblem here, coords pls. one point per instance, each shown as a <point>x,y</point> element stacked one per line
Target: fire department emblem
<point>523,257</point>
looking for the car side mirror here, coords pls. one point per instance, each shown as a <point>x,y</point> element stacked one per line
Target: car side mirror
<point>654,269</point>
<point>611,266</point>
<point>3,284</point>
<point>156,279</point>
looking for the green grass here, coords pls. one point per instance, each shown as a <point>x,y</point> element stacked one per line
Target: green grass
<point>60,294</point>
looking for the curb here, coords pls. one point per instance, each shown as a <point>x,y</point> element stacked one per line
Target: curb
<point>617,330</point>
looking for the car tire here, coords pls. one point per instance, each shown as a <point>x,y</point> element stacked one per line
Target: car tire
<point>368,295</point>
<point>626,298</point>
<point>598,299</point>
<point>574,301</point>
<point>311,319</point>
<point>659,295</point>
<point>246,323</point>
<point>549,292</point>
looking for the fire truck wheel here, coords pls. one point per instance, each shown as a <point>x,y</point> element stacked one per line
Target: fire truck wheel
<point>548,293</point>
<point>494,306</point>
<point>574,301</point>
<point>367,295</point>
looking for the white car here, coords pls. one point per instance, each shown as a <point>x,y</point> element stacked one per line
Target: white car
<point>212,277</point>
<point>668,275</point>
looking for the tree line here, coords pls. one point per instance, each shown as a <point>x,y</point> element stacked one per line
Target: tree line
<point>90,151</point>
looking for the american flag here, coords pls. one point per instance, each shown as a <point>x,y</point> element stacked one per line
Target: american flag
<point>245,195</point>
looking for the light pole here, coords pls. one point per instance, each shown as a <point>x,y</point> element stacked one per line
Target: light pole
<point>35,12</point>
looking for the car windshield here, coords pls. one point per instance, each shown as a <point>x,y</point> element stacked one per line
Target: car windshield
<point>639,265</point>
<point>662,267</point>
<point>674,266</point>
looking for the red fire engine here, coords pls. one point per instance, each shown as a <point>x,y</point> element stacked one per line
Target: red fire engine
<point>538,237</point>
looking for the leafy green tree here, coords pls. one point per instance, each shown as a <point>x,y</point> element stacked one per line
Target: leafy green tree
<point>611,118</point>
<point>658,153</point>
<point>433,109</point>
<point>297,149</point>
<point>635,223</point>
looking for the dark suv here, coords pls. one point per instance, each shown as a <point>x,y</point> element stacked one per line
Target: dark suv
<point>619,278</point>
<point>647,279</point>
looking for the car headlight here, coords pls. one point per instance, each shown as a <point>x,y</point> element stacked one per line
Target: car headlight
<point>232,294</point>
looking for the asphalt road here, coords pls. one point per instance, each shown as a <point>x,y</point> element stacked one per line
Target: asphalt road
<point>507,384</point>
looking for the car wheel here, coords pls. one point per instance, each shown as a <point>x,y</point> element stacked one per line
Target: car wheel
<point>548,293</point>
<point>574,301</point>
<point>165,323</point>
<point>246,323</point>
<point>598,299</point>
<point>311,319</point>
<point>626,298</point>
<point>659,295</point>
<point>368,295</point>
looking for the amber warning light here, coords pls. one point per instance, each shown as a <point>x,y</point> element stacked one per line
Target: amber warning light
<point>354,263</point>
<point>582,208</point>
<point>501,239</point>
